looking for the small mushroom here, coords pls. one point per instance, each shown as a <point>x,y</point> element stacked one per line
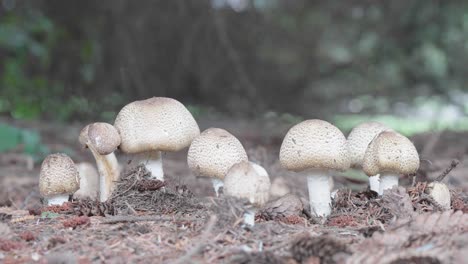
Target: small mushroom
<point>440,193</point>
<point>102,139</point>
<point>158,124</point>
<point>249,181</point>
<point>358,140</point>
<point>390,154</point>
<point>58,178</point>
<point>279,187</point>
<point>213,153</point>
<point>89,181</point>
<point>316,148</point>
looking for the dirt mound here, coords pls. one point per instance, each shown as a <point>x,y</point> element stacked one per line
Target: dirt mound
<point>137,191</point>
<point>367,209</point>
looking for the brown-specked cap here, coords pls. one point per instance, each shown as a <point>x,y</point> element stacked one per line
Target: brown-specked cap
<point>390,152</point>
<point>103,137</point>
<point>58,175</point>
<point>213,152</point>
<point>243,181</point>
<point>155,124</point>
<point>359,139</point>
<point>314,144</point>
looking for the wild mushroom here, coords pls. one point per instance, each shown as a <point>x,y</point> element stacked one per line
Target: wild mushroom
<point>390,154</point>
<point>279,187</point>
<point>102,139</point>
<point>440,193</point>
<point>213,153</point>
<point>157,124</point>
<point>249,181</point>
<point>89,181</point>
<point>316,148</point>
<point>358,140</point>
<point>58,178</point>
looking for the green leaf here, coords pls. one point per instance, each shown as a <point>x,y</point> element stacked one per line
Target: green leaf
<point>31,141</point>
<point>10,137</point>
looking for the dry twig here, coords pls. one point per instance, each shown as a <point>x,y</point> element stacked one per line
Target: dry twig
<point>452,166</point>
<point>128,219</point>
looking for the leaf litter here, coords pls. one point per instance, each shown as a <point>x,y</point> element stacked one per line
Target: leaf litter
<point>147,219</point>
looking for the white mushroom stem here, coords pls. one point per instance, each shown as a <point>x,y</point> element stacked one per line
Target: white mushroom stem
<point>387,181</point>
<point>217,184</point>
<point>374,183</point>
<point>58,199</point>
<point>153,163</point>
<point>108,168</point>
<point>319,192</point>
<point>249,217</point>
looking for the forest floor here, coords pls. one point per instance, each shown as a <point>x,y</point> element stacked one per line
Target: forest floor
<point>184,222</point>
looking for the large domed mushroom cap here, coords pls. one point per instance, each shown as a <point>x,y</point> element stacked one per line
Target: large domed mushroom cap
<point>155,124</point>
<point>391,152</point>
<point>58,175</point>
<point>314,144</point>
<point>213,152</point>
<point>359,139</point>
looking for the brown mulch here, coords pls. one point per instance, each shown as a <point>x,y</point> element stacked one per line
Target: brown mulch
<point>326,248</point>
<point>136,191</point>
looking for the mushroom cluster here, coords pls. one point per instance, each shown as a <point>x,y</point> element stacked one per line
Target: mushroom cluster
<point>314,148</point>
<point>390,155</point>
<point>143,128</point>
<point>358,140</point>
<point>213,153</point>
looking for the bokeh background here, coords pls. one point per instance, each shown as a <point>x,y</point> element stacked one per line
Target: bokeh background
<point>403,63</point>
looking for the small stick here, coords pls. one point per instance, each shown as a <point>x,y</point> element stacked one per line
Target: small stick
<point>131,208</point>
<point>452,166</point>
<point>130,218</point>
<point>200,242</point>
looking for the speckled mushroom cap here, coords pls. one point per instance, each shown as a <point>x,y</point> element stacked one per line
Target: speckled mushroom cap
<point>359,139</point>
<point>213,152</point>
<point>58,175</point>
<point>102,136</point>
<point>314,144</point>
<point>390,152</point>
<point>243,181</point>
<point>155,124</point>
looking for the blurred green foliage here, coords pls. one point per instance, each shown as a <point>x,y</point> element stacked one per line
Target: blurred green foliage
<point>406,125</point>
<point>28,141</point>
<point>29,90</point>
<point>26,42</point>
<point>312,58</point>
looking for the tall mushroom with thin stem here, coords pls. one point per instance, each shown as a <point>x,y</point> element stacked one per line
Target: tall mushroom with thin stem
<point>315,147</point>
<point>390,154</point>
<point>358,140</point>
<point>58,178</point>
<point>158,124</point>
<point>212,153</point>
<point>102,139</point>
<point>250,181</point>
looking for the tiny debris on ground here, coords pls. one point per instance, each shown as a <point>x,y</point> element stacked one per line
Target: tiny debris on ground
<point>147,220</point>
